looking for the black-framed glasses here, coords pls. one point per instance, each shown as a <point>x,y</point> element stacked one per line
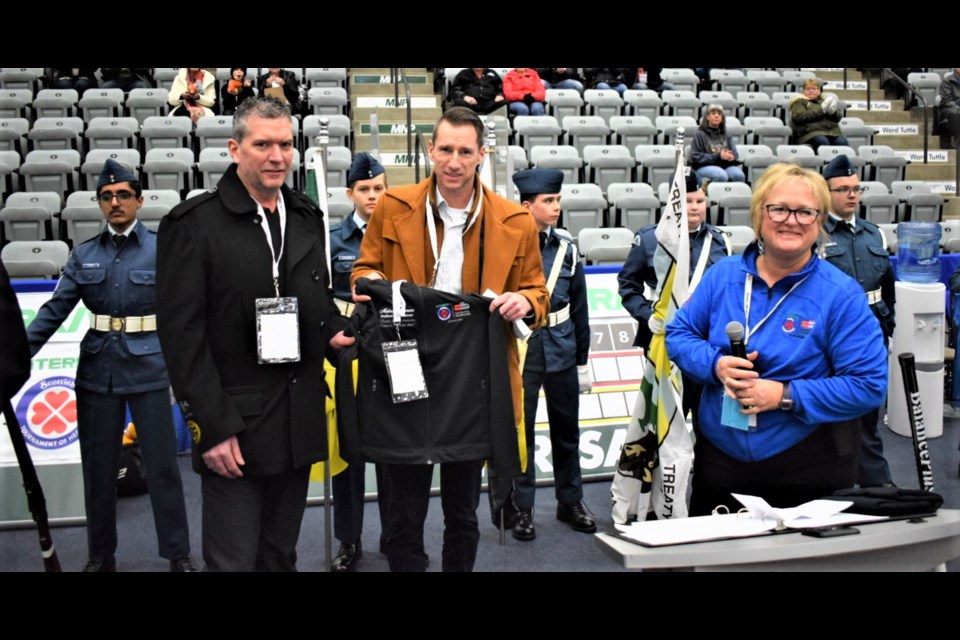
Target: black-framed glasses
<point>780,213</point>
<point>847,190</point>
<point>106,197</point>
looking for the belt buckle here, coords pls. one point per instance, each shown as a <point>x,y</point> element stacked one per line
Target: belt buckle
<point>116,324</point>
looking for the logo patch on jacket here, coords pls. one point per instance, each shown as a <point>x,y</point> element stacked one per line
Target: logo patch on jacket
<point>798,327</point>
<point>453,311</point>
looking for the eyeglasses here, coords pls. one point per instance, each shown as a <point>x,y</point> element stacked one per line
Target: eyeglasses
<point>847,190</point>
<point>780,213</point>
<point>107,197</point>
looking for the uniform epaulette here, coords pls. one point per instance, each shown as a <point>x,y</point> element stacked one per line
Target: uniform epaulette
<point>190,204</point>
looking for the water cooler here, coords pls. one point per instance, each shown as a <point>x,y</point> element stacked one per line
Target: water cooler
<point>920,330</point>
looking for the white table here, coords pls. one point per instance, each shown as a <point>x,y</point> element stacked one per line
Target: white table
<point>898,545</point>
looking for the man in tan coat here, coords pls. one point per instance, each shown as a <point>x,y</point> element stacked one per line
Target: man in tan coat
<point>451,233</point>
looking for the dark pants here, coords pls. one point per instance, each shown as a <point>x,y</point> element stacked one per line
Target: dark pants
<point>813,468</point>
<point>253,523</point>
<point>562,390</point>
<point>408,504</point>
<point>818,141</point>
<point>100,422</point>
<point>874,469</point>
<point>349,487</point>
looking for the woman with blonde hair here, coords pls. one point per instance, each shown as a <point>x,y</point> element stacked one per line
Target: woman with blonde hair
<point>783,422</point>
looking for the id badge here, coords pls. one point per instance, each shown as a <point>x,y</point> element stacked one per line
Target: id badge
<point>404,371</point>
<point>278,330</point>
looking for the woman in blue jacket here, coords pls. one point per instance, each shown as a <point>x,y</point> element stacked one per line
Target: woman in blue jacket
<point>815,357</point>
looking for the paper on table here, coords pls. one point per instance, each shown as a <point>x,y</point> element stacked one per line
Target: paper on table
<point>809,515</point>
<point>657,533</point>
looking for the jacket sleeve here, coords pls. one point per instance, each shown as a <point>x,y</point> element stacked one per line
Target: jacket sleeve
<point>733,147</point>
<point>182,326</point>
<point>580,311</point>
<point>15,356</point>
<point>371,248</point>
<point>537,90</point>
<point>512,87</point>
<point>858,358</point>
<point>632,277</point>
<point>52,314</point>
<point>208,96</point>
<point>688,334</point>
<point>533,285</point>
<point>888,293</point>
<point>948,97</point>
<point>176,90</point>
<point>699,153</point>
<point>803,111</point>
<point>458,88</point>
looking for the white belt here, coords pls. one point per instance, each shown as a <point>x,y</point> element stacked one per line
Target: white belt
<point>873,297</point>
<point>558,317</point>
<point>346,308</point>
<point>131,324</point>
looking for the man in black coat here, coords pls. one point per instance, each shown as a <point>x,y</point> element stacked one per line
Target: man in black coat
<point>246,316</point>
<point>15,355</point>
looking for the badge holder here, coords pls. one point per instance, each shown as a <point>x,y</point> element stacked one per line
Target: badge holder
<point>278,330</point>
<point>402,359</point>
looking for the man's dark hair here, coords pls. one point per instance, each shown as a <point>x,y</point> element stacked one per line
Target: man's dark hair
<point>528,197</point>
<point>269,108</point>
<point>460,117</point>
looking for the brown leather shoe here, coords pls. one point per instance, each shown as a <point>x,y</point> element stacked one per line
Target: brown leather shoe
<point>575,514</point>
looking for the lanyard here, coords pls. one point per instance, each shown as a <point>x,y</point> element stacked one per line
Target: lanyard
<point>276,255</point>
<point>432,230</point>
<point>701,264</point>
<point>747,294</point>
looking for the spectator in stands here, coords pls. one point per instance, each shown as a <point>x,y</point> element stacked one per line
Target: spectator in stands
<point>524,91</point>
<point>645,78</point>
<point>479,89</point>
<point>283,85</point>
<point>561,78</point>
<point>714,153</point>
<point>950,107</point>
<point>126,79</point>
<point>814,118</point>
<point>236,90</point>
<point>80,79</point>
<point>608,78</point>
<point>193,94</point>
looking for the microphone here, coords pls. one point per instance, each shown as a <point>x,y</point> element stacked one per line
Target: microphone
<point>735,335</point>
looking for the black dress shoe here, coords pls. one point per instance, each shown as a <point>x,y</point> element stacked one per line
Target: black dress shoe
<point>347,557</point>
<point>524,529</point>
<point>101,566</point>
<point>183,564</point>
<point>575,514</point>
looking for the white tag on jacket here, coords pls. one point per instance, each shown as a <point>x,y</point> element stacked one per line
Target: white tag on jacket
<point>404,371</point>
<point>278,330</point>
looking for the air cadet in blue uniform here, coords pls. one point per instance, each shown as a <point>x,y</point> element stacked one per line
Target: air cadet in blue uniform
<point>858,248</point>
<point>366,182</point>
<point>638,277</point>
<point>556,358</point>
<point>120,364</point>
